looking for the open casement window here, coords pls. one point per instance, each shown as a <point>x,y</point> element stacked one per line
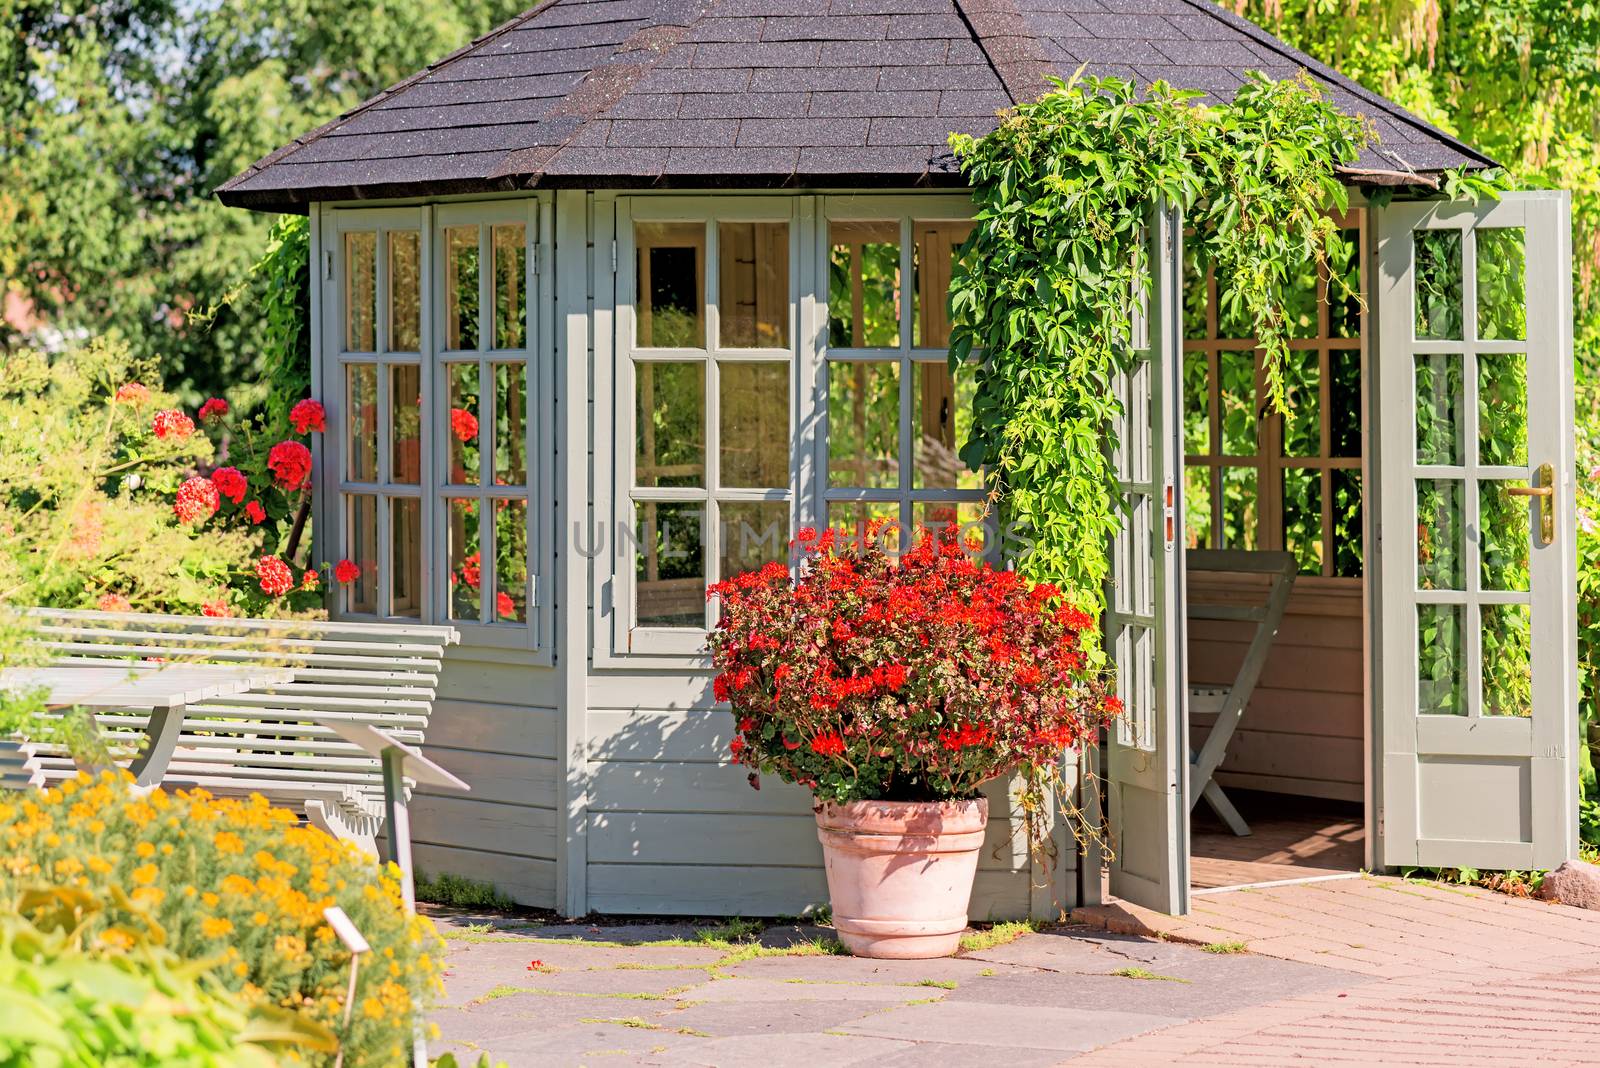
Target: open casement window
<point>438,431</point>
<point>1258,480</point>
<point>1477,591</point>
<point>705,417</point>
<point>894,416</point>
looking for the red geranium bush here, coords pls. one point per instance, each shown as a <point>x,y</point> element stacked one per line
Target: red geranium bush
<point>869,678</point>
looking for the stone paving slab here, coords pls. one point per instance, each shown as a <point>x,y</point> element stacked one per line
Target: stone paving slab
<point>1007,1027</point>
<point>785,1051</point>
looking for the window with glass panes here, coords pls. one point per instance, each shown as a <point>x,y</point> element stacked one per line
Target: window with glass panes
<point>895,416</point>
<point>1255,479</point>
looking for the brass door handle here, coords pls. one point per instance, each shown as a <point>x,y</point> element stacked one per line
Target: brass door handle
<point>1545,492</point>
<point>1531,491</point>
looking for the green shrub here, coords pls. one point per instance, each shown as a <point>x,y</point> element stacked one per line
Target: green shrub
<point>461,893</point>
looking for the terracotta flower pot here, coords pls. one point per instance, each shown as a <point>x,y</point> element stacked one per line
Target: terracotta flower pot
<point>900,873</point>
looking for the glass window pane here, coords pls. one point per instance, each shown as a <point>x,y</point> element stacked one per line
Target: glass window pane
<point>361,547</point>
<point>1439,522</point>
<point>1197,507</point>
<point>752,533</point>
<point>1240,508</point>
<point>510,424</point>
<point>509,244</point>
<point>1503,408</point>
<point>753,418</point>
<point>1506,528</point>
<point>669,437</point>
<point>405,291</point>
<point>1344,305</point>
<point>1302,426</point>
<point>1238,373</point>
<point>941,421</point>
<point>1196,404</point>
<point>1302,517</point>
<point>669,301</point>
<point>864,285</point>
<point>361,401</point>
<point>864,424</point>
<point>466,560</point>
<point>361,292</point>
<point>461,287</point>
<point>1441,410</point>
<point>1348,551</point>
<point>934,253</point>
<point>1502,269</point>
<point>405,423</point>
<point>753,285</point>
<point>970,518</point>
<point>1344,404</point>
<point>510,561</point>
<point>1441,660</point>
<point>670,566</point>
<point>854,522</point>
<point>405,530</point>
<point>465,468</point>
<point>1194,295</point>
<point>1438,284</point>
<point>1507,634</point>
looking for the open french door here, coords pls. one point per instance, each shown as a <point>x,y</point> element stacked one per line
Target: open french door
<point>1147,765</point>
<point>1477,570</point>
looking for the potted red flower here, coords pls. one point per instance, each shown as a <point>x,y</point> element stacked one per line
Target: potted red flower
<point>893,690</point>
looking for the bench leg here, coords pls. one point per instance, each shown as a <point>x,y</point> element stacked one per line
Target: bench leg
<point>1224,809</point>
<point>150,766</point>
<point>398,823</point>
<point>325,818</point>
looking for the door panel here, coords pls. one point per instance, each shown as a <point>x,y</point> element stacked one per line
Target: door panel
<point>1477,581</point>
<point>1146,759</point>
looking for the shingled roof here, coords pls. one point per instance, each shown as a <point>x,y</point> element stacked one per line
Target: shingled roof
<point>773,93</point>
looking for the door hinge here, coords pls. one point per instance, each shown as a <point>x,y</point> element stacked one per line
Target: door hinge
<point>535,268</point>
<point>533,591</point>
<point>613,257</point>
<point>327,258</point>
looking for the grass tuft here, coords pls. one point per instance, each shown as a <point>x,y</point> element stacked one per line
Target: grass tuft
<point>1145,973</point>
<point>997,935</point>
<point>942,984</point>
<point>457,892</point>
<point>1225,947</point>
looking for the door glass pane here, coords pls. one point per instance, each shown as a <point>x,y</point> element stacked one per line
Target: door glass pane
<point>669,437</point>
<point>968,516</point>
<point>405,291</point>
<point>854,522</point>
<point>670,568</point>
<point>1196,404</point>
<point>461,287</point>
<point>1302,517</point>
<point>1507,636</point>
<point>1344,305</point>
<point>510,424</point>
<point>1503,552</point>
<point>1302,426</point>
<point>361,292</point>
<point>1238,373</point>
<point>1438,284</point>
<point>361,400</point>
<point>864,424</point>
<point>463,426</point>
<point>1502,268</point>
<point>1348,552</point>
<point>361,547</point>
<point>1439,522</point>
<point>509,246</point>
<point>1240,508</point>
<point>1344,404</point>
<point>406,532</point>
<point>753,285</point>
<point>933,259</point>
<point>1441,410</point>
<point>864,285</point>
<point>1503,409</point>
<point>405,415</point>
<point>753,417</point>
<point>466,560</point>
<point>669,300</point>
<point>511,561</point>
<point>1441,660</point>
<point>1197,507</point>
<point>753,533</point>
<point>941,421</point>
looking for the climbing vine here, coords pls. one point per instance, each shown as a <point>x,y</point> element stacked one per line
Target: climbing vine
<point>1044,290</point>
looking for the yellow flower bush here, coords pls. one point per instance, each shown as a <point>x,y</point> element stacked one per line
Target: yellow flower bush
<point>238,882</point>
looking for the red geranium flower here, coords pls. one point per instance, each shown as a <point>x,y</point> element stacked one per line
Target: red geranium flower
<point>133,393</point>
<point>290,464</point>
<point>231,483</point>
<point>346,571</point>
<point>171,423</point>
<point>463,424</point>
<point>114,602</point>
<point>276,578</point>
<point>216,609</point>
<point>472,570</point>
<point>827,744</point>
<point>307,416</point>
<point>505,605</point>
<point>196,502</point>
<point>310,580</point>
<point>257,514</point>
<point>213,410</point>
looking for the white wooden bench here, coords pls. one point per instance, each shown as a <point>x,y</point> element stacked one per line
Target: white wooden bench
<point>273,738</point>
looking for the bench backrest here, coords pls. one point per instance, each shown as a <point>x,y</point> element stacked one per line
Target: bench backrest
<point>1279,568</point>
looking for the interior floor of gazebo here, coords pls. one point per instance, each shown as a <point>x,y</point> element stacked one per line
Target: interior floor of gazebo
<point>1290,838</point>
